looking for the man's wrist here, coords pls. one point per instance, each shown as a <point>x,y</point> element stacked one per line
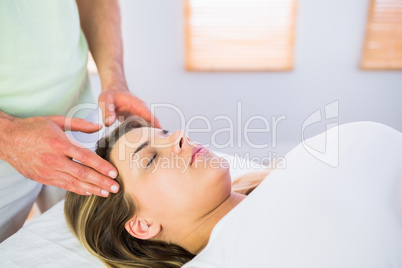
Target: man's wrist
<point>8,125</point>
<point>113,78</point>
<point>115,87</point>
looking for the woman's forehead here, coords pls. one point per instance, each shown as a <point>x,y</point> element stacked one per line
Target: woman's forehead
<point>137,135</point>
<point>131,140</point>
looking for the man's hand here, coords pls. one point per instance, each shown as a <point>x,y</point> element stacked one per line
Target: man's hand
<point>40,150</point>
<point>116,103</point>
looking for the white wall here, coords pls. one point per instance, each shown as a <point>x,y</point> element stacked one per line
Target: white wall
<point>329,41</point>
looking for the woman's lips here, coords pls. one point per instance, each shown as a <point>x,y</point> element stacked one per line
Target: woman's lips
<point>197,150</point>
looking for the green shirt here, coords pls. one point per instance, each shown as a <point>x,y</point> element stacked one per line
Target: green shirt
<point>43,57</point>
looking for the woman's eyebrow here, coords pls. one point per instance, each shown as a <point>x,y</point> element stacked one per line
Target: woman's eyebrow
<point>141,147</point>
<point>146,143</point>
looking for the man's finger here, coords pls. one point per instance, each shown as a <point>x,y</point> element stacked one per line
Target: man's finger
<point>155,122</point>
<point>75,124</point>
<point>148,116</point>
<point>143,111</point>
<point>108,107</point>
<point>78,124</point>
<point>135,106</point>
<point>102,185</point>
<point>72,184</point>
<point>89,158</point>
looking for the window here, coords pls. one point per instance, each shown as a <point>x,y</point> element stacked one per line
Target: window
<point>383,42</point>
<point>240,35</point>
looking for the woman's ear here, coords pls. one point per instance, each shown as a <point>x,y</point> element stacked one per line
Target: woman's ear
<point>142,229</point>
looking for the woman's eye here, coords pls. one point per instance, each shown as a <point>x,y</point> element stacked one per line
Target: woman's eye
<point>165,132</point>
<point>150,161</point>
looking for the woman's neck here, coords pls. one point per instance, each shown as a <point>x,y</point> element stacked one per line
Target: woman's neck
<point>199,236</point>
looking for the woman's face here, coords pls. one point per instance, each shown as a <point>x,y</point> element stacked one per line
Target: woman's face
<point>167,179</point>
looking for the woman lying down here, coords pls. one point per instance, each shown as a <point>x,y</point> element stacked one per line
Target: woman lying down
<point>176,205</point>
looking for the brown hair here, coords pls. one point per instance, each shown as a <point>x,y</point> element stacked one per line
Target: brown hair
<point>98,222</point>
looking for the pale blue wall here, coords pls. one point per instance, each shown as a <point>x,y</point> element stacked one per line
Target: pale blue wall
<point>329,39</point>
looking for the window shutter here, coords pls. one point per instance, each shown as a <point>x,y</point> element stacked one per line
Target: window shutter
<point>240,35</point>
<point>383,42</point>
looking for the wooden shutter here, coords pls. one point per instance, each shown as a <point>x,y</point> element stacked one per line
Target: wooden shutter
<point>240,35</point>
<point>383,42</point>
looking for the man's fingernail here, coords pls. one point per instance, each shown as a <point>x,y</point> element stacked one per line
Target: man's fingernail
<point>114,188</point>
<point>88,193</point>
<point>112,174</point>
<point>104,193</point>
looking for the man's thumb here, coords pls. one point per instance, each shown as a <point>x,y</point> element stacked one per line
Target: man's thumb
<point>107,106</point>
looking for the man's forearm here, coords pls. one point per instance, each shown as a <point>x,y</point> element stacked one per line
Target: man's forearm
<point>7,125</point>
<point>101,23</point>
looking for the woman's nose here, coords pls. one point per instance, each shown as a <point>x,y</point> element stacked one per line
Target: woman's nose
<point>179,141</point>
